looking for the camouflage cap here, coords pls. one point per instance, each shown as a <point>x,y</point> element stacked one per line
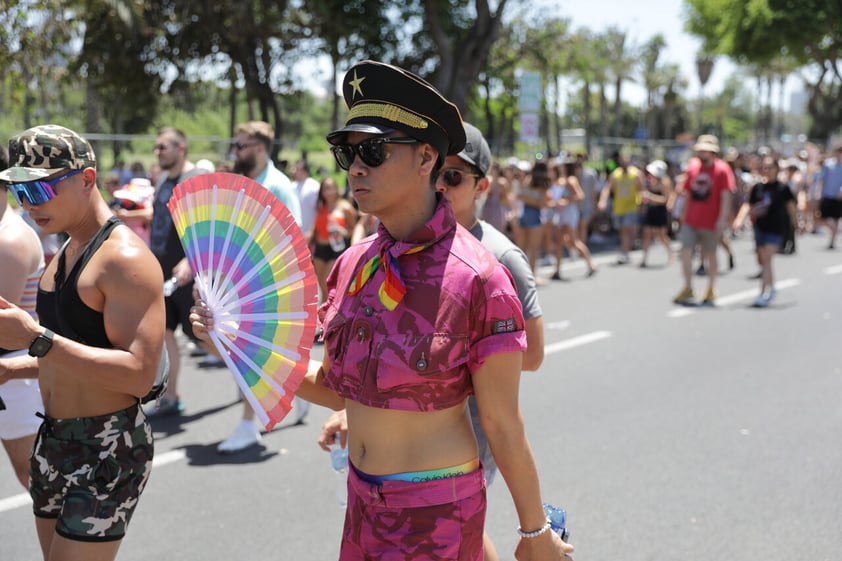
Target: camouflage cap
<point>44,150</point>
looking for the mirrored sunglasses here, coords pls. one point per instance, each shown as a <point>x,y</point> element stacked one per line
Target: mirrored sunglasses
<point>40,191</point>
<point>455,177</point>
<point>371,151</point>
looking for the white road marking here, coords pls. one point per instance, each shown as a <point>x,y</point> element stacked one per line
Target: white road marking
<point>732,298</point>
<point>168,458</point>
<point>834,270</point>
<point>17,501</point>
<point>564,324</point>
<point>576,342</point>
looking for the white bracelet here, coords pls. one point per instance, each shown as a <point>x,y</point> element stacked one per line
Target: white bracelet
<point>534,533</point>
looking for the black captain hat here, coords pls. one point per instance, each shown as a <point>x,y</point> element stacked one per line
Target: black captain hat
<point>382,98</point>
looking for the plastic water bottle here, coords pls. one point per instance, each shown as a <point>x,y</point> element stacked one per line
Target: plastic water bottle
<point>337,242</point>
<point>169,286</point>
<point>339,461</point>
<point>558,521</point>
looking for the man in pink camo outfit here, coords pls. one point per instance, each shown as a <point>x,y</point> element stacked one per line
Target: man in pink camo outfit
<point>417,318</point>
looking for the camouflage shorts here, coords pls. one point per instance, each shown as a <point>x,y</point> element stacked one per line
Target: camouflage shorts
<point>435,520</point>
<point>88,473</point>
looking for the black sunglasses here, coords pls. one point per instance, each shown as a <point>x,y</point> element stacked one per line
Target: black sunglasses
<point>370,151</point>
<point>243,145</point>
<point>455,177</point>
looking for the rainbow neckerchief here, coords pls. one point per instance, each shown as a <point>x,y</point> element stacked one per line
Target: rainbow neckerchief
<point>393,289</point>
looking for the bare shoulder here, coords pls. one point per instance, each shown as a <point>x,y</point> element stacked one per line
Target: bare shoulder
<point>19,243</point>
<point>127,258</point>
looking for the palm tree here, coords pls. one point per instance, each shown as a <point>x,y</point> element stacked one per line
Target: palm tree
<point>653,77</point>
<point>622,59</point>
<point>704,67</point>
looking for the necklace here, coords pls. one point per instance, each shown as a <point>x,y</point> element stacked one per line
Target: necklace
<point>73,251</point>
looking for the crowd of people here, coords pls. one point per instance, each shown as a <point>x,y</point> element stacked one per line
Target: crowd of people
<point>84,321</point>
<point>551,208</point>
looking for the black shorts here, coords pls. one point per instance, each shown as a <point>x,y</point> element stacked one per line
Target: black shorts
<point>327,253</point>
<point>655,217</point>
<point>830,208</point>
<point>178,306</point>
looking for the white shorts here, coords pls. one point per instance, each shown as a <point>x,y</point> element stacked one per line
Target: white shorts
<point>23,399</point>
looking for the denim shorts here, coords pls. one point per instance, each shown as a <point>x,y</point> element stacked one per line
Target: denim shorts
<point>762,238</point>
<point>628,219</point>
<point>531,217</point>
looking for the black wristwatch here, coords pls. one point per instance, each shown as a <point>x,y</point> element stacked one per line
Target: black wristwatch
<point>42,344</point>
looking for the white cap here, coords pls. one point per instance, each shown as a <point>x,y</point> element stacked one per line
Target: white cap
<point>206,164</point>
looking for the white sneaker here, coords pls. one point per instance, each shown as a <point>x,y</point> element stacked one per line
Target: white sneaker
<point>761,301</point>
<point>771,295</point>
<point>245,436</point>
<point>300,408</point>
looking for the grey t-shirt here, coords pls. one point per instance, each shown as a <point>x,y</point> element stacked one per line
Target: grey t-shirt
<point>513,258</point>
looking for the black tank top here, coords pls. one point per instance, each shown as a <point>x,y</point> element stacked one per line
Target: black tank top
<point>63,311</point>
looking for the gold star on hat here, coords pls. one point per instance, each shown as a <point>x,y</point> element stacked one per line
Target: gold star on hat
<point>355,84</point>
<point>396,99</point>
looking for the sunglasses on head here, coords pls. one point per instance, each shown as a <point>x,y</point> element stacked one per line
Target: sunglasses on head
<point>370,151</point>
<point>455,177</point>
<point>40,191</point>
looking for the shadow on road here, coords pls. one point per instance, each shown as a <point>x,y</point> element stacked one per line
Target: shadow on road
<point>206,455</point>
<point>170,425</point>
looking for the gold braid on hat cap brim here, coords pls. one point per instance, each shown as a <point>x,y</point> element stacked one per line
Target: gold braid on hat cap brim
<point>389,112</point>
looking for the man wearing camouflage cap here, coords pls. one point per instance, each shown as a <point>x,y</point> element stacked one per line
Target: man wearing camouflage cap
<point>95,351</point>
<point>417,318</point>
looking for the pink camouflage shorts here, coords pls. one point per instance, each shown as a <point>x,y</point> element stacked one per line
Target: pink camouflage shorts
<point>438,520</point>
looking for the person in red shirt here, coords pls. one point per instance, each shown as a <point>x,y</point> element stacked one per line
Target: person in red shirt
<point>708,189</point>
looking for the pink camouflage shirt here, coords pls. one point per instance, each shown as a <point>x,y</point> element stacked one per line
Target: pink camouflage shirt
<point>460,308</point>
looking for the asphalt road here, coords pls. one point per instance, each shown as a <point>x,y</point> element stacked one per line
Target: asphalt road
<point>668,433</point>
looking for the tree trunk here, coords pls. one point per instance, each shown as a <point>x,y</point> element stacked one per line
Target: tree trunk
<point>489,118</point>
<point>615,129</point>
<point>232,102</point>
<point>586,104</point>
<point>603,113</point>
<point>462,60</point>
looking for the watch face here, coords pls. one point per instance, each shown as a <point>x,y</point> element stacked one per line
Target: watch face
<point>40,346</point>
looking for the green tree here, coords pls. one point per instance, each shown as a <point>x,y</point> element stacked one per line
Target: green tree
<point>112,61</point>
<point>364,30</point>
<point>544,51</point>
<point>758,31</point>
<point>622,60</point>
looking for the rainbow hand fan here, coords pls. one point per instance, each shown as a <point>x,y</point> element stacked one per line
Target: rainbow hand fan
<point>252,268</point>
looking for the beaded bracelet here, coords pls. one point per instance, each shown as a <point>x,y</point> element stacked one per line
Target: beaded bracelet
<point>534,533</point>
